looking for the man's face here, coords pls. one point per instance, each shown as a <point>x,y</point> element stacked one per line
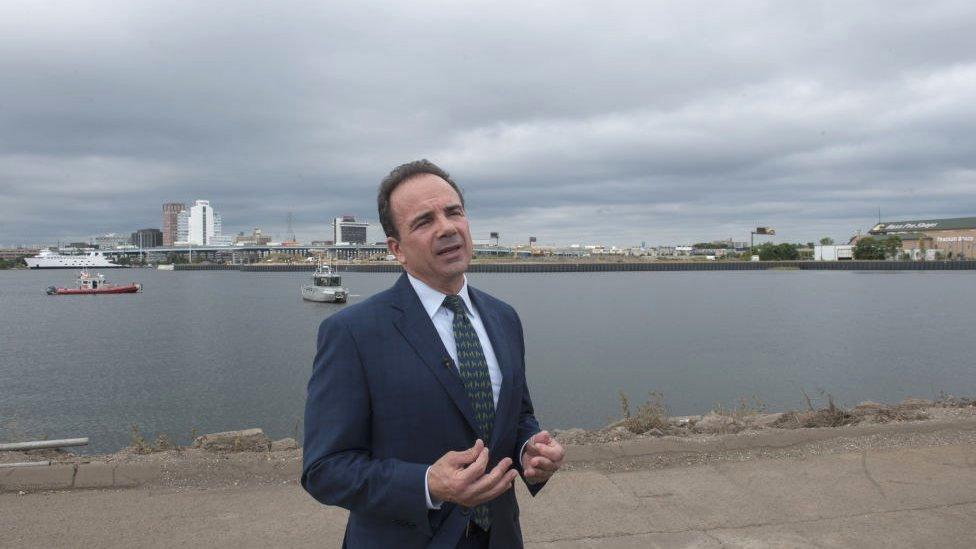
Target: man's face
<point>434,243</point>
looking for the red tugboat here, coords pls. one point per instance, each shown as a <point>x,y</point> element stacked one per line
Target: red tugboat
<point>95,284</point>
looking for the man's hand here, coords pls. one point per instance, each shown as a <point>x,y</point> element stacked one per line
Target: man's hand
<point>459,477</point>
<point>542,457</point>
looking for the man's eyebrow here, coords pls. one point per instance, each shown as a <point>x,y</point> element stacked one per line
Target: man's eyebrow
<point>422,217</point>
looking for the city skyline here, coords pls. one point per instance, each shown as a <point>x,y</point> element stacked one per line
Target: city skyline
<point>666,123</point>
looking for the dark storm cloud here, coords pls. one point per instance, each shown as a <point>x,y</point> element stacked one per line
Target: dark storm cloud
<point>615,123</point>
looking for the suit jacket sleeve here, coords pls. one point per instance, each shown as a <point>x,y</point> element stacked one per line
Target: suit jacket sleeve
<point>527,423</point>
<point>337,464</point>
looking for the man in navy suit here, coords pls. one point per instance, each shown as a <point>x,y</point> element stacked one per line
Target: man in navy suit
<point>418,417</point>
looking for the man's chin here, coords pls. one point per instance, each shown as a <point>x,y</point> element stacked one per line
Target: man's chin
<point>452,267</point>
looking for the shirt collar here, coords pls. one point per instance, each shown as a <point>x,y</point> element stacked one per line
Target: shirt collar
<point>432,299</point>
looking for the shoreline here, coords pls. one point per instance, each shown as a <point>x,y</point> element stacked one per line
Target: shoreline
<point>642,441</point>
<point>529,266</point>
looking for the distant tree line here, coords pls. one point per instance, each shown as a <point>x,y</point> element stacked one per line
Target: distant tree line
<point>873,248</point>
<point>777,252</point>
<point>12,263</point>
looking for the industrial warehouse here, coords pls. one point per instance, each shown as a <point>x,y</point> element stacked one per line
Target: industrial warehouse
<point>932,239</point>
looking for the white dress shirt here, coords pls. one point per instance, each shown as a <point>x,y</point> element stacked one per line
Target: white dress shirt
<point>443,319</point>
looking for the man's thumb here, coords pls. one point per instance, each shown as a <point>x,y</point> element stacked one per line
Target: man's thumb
<point>473,452</point>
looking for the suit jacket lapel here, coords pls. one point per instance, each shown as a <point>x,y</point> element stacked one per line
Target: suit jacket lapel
<point>501,347</point>
<point>417,328</point>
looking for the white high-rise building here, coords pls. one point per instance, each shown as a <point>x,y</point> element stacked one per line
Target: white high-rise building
<point>200,226</point>
<point>182,227</point>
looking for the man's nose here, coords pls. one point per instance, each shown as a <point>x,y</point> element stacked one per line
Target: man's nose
<point>444,226</point>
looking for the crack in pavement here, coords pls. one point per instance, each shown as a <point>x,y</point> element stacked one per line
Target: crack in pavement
<point>864,467</point>
<point>721,544</point>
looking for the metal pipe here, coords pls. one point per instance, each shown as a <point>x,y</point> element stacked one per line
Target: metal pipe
<point>26,464</point>
<point>42,444</point>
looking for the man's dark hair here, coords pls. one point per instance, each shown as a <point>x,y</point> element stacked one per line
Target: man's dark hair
<point>400,174</point>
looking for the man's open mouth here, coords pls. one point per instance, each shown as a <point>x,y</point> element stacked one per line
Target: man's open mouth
<point>449,249</point>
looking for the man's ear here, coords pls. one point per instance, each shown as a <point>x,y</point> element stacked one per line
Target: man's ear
<point>393,245</point>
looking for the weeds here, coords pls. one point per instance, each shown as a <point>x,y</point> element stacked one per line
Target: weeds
<point>137,441</point>
<point>946,400</point>
<point>747,407</point>
<point>162,442</point>
<point>652,414</point>
<point>624,404</point>
<point>140,445</point>
<point>831,416</point>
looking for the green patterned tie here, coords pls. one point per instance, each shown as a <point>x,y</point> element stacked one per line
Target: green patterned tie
<point>474,373</point>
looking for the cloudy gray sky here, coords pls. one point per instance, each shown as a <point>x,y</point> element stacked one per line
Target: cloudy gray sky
<point>612,122</point>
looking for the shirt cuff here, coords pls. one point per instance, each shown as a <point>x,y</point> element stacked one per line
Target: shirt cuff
<point>430,503</point>
<point>522,452</point>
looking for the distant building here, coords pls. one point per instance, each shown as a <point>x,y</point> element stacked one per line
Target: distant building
<point>349,230</point>
<point>111,241</point>
<point>831,252</point>
<point>182,228</point>
<point>201,225</point>
<point>12,254</point>
<point>171,212</point>
<point>256,238</point>
<point>147,238</point>
<point>953,238</point>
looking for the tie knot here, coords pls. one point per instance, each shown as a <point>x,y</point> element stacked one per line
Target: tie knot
<point>454,303</point>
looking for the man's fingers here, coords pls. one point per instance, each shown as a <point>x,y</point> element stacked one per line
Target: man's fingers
<point>487,481</point>
<point>541,437</point>
<point>543,464</point>
<point>500,469</point>
<point>502,485</point>
<point>474,452</point>
<point>466,457</point>
<point>553,452</point>
<point>476,469</point>
<point>535,476</point>
<point>492,486</point>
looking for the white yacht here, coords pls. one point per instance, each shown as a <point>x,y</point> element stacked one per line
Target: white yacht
<point>326,287</point>
<point>49,259</point>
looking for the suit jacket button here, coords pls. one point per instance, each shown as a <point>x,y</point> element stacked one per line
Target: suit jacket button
<point>465,511</point>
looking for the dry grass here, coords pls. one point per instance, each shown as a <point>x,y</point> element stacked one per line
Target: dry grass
<point>831,416</point>
<point>946,400</point>
<point>140,445</point>
<point>652,414</point>
<point>747,407</point>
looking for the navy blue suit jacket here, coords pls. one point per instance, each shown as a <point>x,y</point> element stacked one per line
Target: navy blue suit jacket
<point>385,402</point>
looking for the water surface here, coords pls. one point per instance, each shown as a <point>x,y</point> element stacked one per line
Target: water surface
<point>214,351</point>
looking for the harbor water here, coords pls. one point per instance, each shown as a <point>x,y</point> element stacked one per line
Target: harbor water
<point>213,351</point>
